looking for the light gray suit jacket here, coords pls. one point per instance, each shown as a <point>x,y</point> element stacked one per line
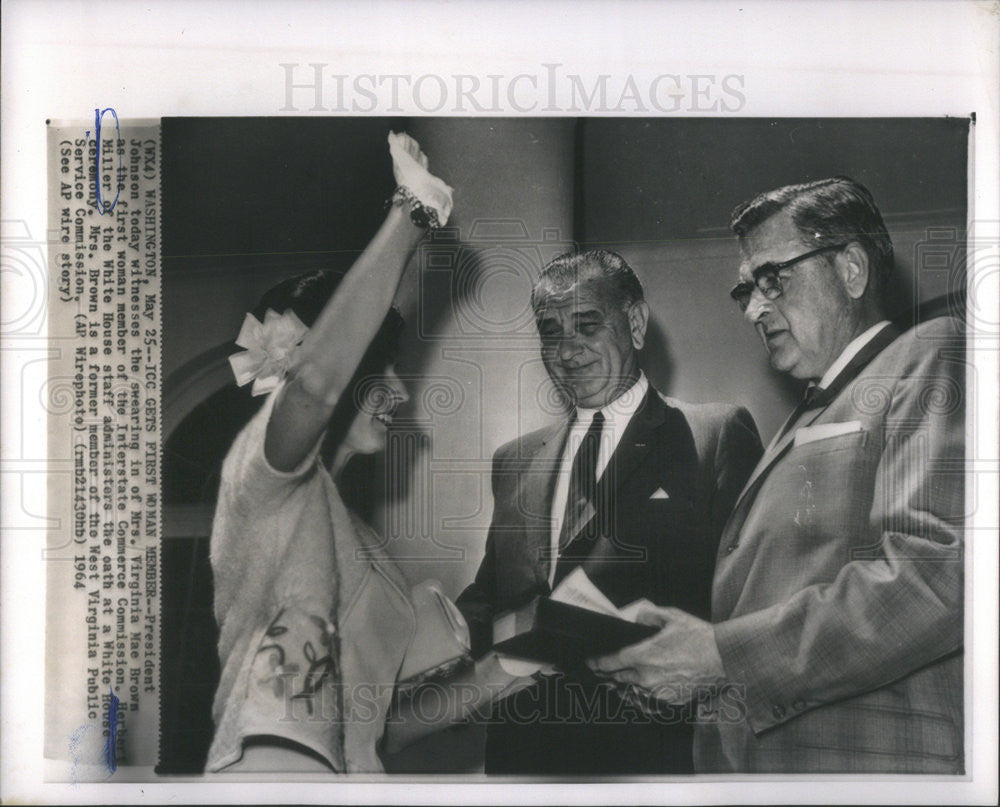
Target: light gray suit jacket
<point>838,589</point>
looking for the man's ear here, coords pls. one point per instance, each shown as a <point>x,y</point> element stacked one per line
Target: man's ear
<point>638,318</point>
<point>853,268</point>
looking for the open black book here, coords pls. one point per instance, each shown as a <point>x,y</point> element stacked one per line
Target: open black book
<point>565,635</point>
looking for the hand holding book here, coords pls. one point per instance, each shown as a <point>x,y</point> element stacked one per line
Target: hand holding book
<point>576,623</point>
<point>678,660</point>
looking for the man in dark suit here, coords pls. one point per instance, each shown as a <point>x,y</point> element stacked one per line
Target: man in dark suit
<point>837,601</point>
<point>632,487</point>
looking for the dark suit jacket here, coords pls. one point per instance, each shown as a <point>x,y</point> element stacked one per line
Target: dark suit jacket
<point>661,548</point>
<point>838,589</point>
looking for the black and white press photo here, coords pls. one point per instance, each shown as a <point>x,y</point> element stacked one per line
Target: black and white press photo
<point>775,477</point>
<point>499,402</point>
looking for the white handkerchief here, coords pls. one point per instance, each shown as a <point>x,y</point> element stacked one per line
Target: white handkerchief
<point>809,434</point>
<point>660,494</point>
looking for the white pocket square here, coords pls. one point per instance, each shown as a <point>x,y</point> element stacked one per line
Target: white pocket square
<point>660,493</point>
<point>809,434</point>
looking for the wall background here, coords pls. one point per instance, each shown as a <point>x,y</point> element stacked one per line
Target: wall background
<point>248,202</point>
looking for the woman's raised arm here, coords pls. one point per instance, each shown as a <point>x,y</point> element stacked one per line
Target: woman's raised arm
<point>333,347</point>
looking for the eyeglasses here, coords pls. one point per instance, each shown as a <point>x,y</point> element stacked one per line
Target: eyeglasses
<point>767,279</point>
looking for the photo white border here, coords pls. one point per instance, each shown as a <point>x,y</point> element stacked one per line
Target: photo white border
<point>848,58</point>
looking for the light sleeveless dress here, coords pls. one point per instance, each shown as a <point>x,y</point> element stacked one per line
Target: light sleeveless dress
<point>314,617</point>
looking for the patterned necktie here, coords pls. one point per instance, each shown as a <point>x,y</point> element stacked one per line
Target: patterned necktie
<point>582,483</point>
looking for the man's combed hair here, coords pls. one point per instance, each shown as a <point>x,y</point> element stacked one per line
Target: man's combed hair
<point>827,211</point>
<point>565,271</point>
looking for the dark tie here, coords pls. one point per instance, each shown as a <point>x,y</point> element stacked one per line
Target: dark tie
<point>814,398</point>
<point>582,483</point>
<point>817,396</point>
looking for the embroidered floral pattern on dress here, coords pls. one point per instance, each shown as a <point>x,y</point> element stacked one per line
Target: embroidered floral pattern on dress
<point>296,664</point>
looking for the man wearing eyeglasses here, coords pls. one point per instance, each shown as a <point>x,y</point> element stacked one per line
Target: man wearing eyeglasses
<point>835,642</point>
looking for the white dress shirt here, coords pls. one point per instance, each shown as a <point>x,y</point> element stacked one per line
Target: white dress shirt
<point>617,416</point>
<point>850,352</point>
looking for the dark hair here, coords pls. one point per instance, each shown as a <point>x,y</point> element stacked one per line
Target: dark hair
<point>620,283</point>
<point>828,211</point>
<point>307,295</point>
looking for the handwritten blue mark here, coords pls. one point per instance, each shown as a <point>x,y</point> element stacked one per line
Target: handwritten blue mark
<point>75,741</point>
<point>109,745</point>
<point>102,206</point>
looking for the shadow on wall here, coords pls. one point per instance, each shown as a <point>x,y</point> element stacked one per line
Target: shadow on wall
<point>902,289</point>
<point>655,356</point>
<point>441,294</point>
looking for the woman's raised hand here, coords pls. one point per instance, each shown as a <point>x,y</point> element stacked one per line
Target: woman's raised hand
<point>402,141</point>
<point>410,167</point>
<point>332,348</point>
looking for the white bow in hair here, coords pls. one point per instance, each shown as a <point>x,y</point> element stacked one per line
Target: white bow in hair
<point>270,348</point>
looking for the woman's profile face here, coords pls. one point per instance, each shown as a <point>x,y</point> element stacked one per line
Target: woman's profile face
<point>378,398</point>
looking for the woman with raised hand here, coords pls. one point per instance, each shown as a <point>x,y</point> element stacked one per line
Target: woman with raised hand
<point>315,620</point>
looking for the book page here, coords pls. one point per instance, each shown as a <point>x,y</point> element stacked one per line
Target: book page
<point>578,589</point>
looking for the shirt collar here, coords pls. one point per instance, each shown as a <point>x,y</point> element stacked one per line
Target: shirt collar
<point>621,409</point>
<point>850,352</point>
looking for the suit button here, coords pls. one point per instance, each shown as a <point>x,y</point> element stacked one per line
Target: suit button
<point>778,711</point>
<point>799,705</point>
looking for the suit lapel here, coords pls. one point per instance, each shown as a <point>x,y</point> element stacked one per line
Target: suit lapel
<point>774,452</point>
<point>536,489</point>
<point>638,440</point>
<point>646,431</point>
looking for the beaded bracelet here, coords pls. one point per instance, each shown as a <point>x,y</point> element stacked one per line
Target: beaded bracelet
<point>420,214</point>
